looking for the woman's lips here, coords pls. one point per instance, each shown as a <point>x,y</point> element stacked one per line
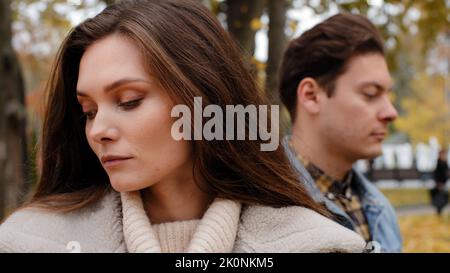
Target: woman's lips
<point>111,160</point>
<point>115,162</point>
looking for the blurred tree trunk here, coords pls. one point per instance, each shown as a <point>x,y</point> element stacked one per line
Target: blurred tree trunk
<point>277,44</point>
<point>243,17</point>
<point>13,148</point>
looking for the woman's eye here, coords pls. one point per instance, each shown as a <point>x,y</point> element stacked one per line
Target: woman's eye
<point>90,115</point>
<point>128,105</point>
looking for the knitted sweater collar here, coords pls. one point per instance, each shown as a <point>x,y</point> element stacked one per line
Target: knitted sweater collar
<point>215,233</point>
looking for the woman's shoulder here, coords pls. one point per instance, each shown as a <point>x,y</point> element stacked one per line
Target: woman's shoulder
<point>293,229</point>
<point>91,229</point>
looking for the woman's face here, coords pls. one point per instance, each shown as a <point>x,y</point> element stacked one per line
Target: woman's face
<point>128,122</point>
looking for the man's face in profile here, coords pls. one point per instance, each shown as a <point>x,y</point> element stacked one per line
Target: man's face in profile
<point>354,119</point>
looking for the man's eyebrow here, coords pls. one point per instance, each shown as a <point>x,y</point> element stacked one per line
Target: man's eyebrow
<point>115,85</point>
<point>378,86</point>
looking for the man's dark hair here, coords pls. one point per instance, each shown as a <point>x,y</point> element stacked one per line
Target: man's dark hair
<point>323,52</point>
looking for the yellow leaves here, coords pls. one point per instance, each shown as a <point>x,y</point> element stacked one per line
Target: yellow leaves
<point>256,24</point>
<point>293,25</point>
<point>421,233</point>
<point>237,24</point>
<point>260,71</point>
<point>260,66</point>
<point>425,233</point>
<point>215,6</point>
<point>392,97</point>
<point>427,112</point>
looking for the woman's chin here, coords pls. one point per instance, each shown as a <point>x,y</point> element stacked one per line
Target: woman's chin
<point>123,186</point>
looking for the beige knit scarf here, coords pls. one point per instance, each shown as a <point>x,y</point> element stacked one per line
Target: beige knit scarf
<point>215,233</point>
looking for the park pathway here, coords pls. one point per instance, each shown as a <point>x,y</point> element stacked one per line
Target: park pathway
<point>418,210</point>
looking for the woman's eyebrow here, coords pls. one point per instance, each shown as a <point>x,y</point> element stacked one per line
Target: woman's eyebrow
<point>116,85</point>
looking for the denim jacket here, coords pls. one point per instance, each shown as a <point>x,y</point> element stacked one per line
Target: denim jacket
<point>377,209</point>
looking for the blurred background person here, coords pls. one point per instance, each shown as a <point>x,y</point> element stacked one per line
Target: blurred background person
<point>439,194</point>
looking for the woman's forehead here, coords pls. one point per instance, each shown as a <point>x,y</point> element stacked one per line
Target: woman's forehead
<point>109,60</point>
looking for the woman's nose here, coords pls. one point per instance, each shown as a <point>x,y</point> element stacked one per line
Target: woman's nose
<point>102,128</point>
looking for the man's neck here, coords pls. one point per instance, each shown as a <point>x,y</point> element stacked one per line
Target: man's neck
<point>328,159</point>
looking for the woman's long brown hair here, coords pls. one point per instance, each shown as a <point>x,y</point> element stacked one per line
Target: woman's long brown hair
<point>190,54</point>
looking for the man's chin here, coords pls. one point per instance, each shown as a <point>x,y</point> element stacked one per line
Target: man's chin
<point>373,153</point>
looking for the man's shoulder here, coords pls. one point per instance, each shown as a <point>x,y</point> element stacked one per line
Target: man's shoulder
<point>293,229</point>
<point>33,229</point>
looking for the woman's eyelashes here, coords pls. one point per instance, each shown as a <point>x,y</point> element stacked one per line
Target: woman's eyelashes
<point>130,104</point>
<point>90,115</point>
<point>126,105</point>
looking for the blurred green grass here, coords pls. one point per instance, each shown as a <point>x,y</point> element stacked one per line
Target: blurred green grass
<point>407,197</point>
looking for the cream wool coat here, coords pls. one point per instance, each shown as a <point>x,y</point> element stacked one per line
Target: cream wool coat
<point>99,228</point>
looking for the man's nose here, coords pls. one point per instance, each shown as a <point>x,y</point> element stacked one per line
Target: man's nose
<point>387,113</point>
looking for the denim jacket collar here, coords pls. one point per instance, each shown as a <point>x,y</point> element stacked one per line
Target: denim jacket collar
<point>379,213</point>
<point>369,195</point>
<point>311,186</point>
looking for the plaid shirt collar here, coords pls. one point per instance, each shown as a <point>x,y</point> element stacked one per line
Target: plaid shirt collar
<point>340,193</point>
<point>329,186</point>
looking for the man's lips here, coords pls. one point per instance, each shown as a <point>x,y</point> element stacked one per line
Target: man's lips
<point>379,135</point>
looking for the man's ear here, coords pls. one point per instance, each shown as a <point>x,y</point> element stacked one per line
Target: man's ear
<point>308,92</point>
